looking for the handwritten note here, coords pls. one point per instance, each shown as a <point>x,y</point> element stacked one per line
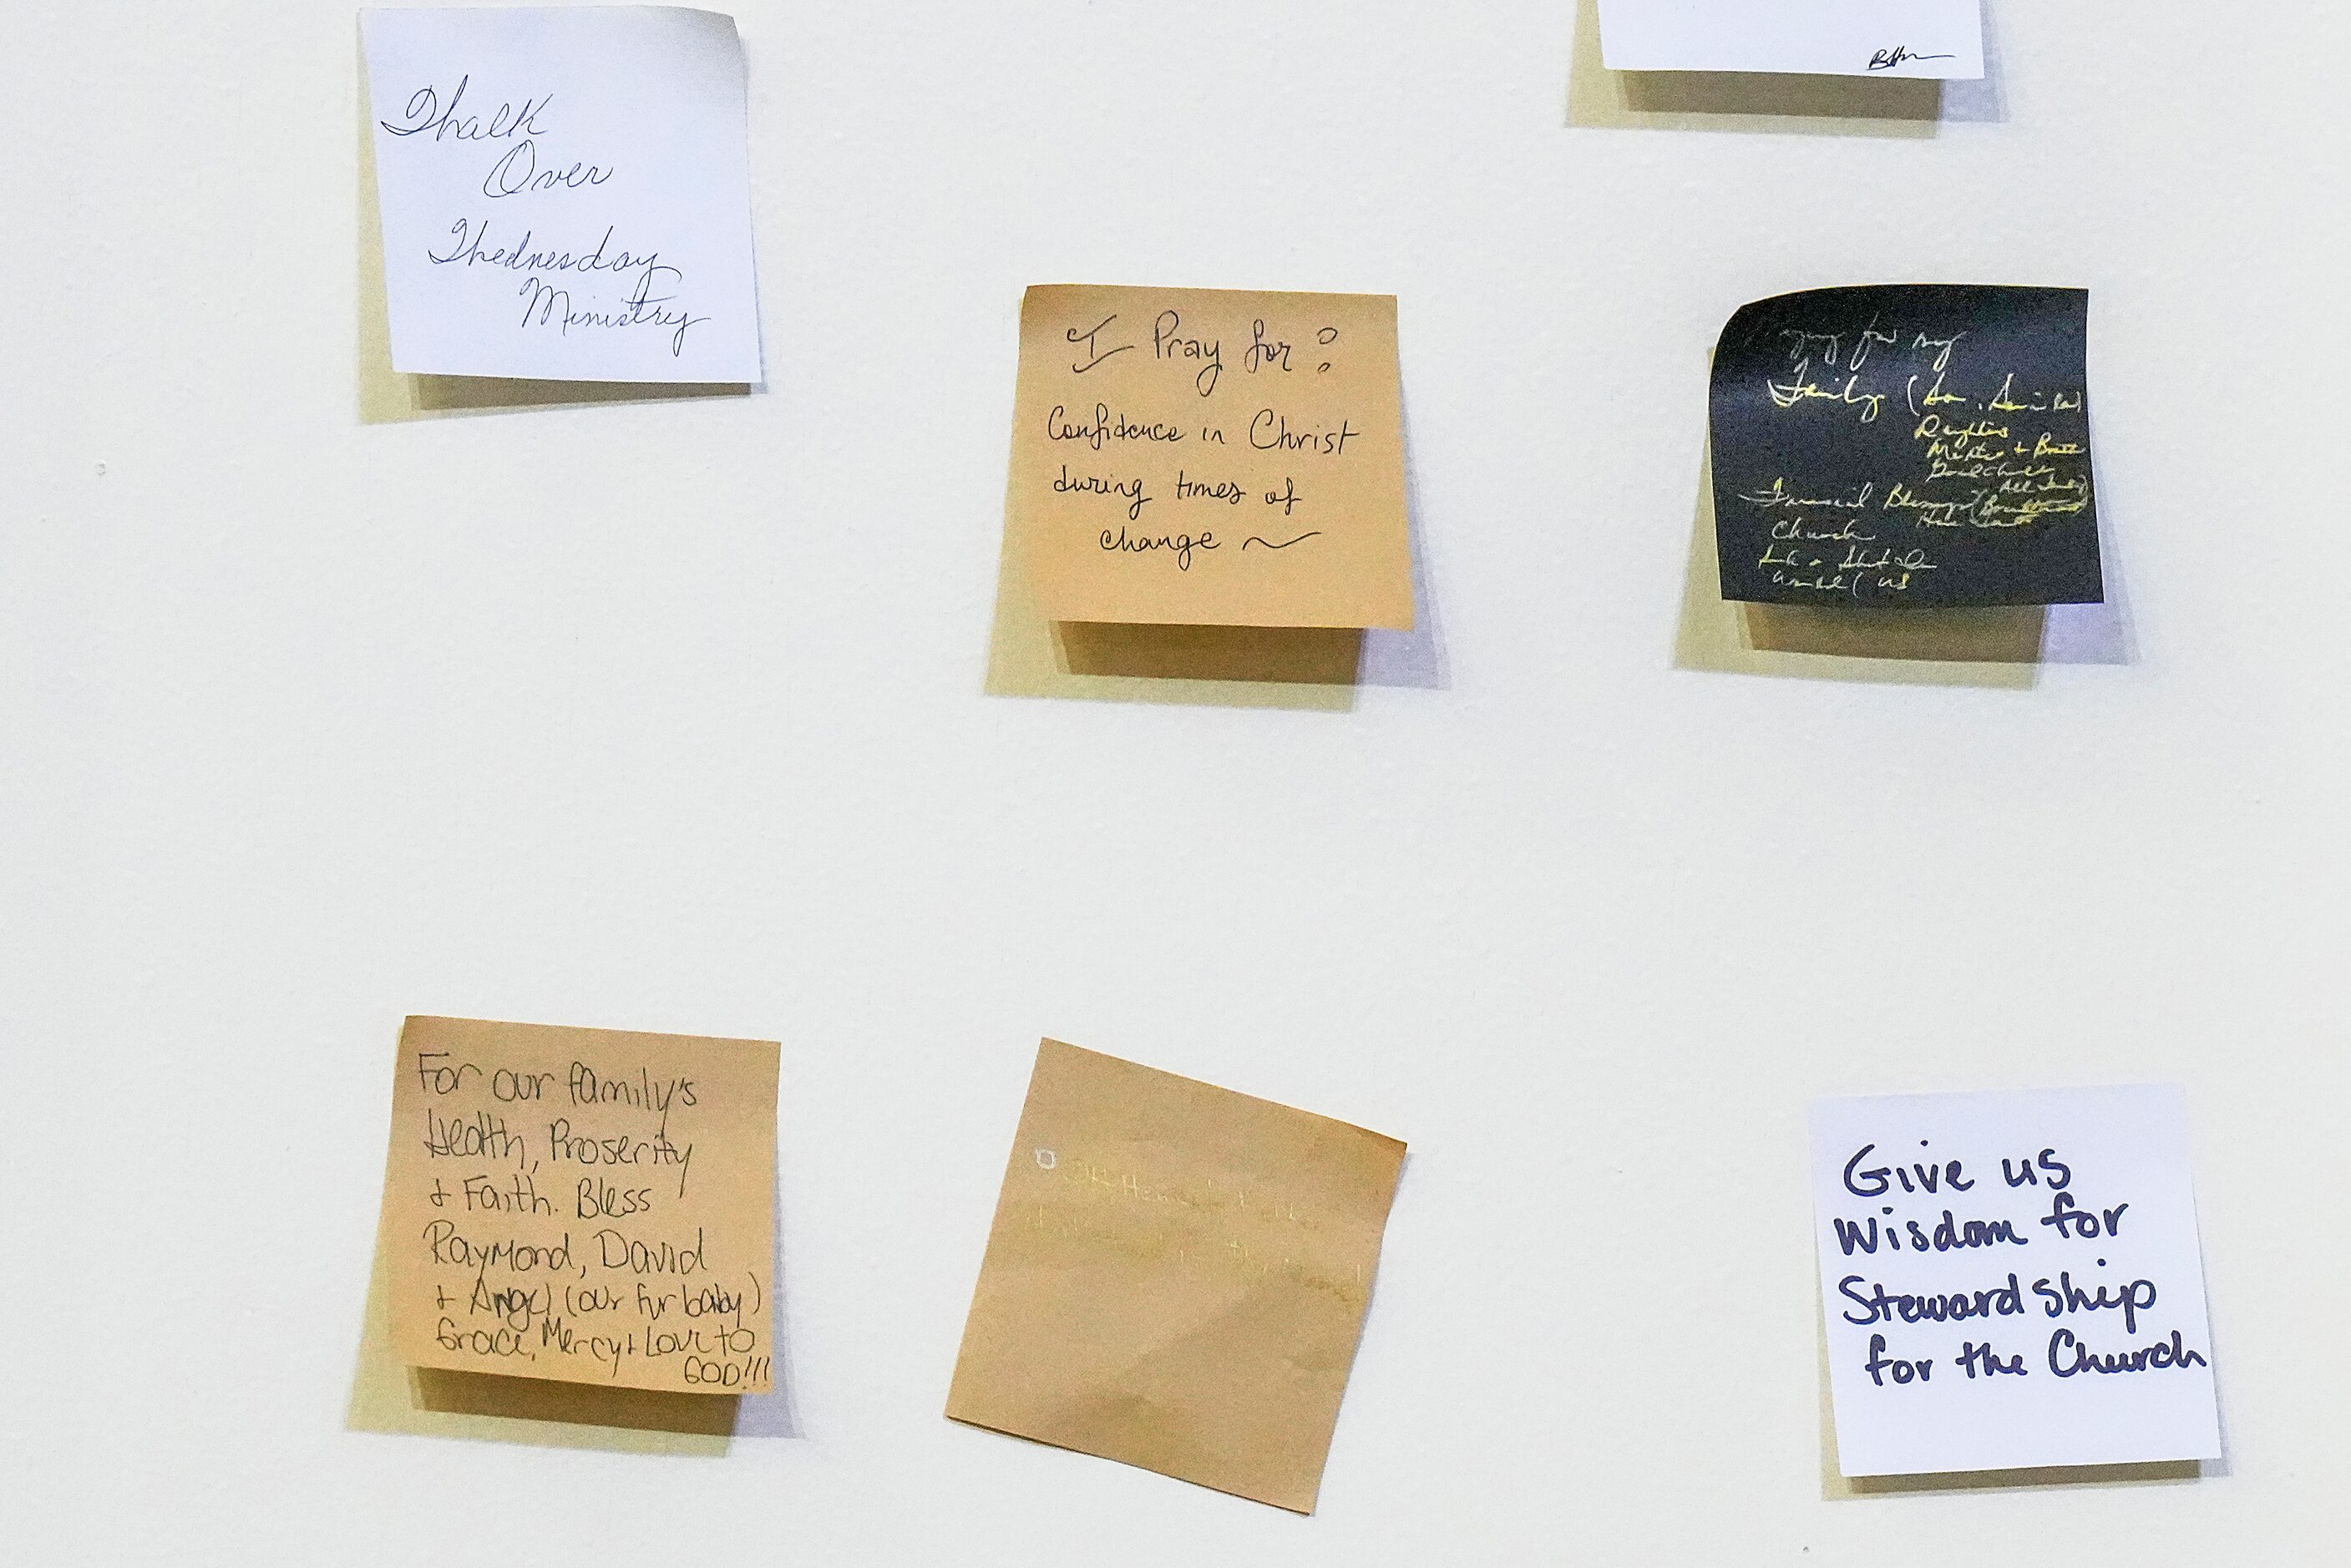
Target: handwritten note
<point>2011,1281</point>
<point>565,192</point>
<point>1826,37</point>
<point>583,1205</point>
<point>1908,444</point>
<point>1211,458</point>
<point>1177,1278</point>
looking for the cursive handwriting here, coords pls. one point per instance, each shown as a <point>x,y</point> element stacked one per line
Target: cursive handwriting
<point>583,1254</point>
<point>1105,426</point>
<point>1180,545</point>
<point>1128,490</point>
<point>518,171</point>
<point>1168,342</point>
<point>642,308</point>
<point>1886,59</point>
<point>1094,352</point>
<point>558,291</point>
<point>472,248</point>
<point>1988,450</point>
<point>428,111</point>
<point>1165,413</point>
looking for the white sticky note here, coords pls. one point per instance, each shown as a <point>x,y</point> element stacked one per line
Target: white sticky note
<point>2011,1281</point>
<point>565,192</point>
<point>1824,37</point>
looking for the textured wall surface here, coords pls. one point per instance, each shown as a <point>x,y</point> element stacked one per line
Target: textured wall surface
<point>326,697</point>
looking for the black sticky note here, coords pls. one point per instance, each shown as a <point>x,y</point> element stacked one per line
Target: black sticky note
<point>1907,445</point>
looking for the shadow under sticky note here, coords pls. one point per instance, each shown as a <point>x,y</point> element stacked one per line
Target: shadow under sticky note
<point>1602,99</point>
<point>1992,634</point>
<point>1316,655</point>
<point>1230,667</point>
<point>1313,667</point>
<point>388,397</point>
<point>537,1399</point>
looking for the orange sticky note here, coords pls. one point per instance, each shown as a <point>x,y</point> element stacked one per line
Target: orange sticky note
<point>1176,1277</point>
<point>583,1205</point>
<point>1211,457</point>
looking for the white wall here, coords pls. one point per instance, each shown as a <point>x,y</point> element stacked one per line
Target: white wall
<point>670,716</point>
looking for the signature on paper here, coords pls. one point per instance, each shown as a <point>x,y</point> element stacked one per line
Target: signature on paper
<point>1886,59</point>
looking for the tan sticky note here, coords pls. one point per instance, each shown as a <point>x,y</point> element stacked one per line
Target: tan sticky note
<point>1176,1277</point>
<point>1211,457</point>
<point>583,1205</point>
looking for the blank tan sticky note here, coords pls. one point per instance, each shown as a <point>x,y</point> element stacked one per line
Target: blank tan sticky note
<point>583,1205</point>
<point>1211,457</point>
<point>1176,1277</point>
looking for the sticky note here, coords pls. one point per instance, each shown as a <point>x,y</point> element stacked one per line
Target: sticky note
<point>1940,38</point>
<point>583,1205</point>
<point>1204,457</point>
<point>565,192</point>
<point>2011,1281</point>
<point>1914,445</point>
<point>1176,1277</point>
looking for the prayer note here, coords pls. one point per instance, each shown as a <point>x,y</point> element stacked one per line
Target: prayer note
<point>1826,37</point>
<point>565,192</point>
<point>583,1205</point>
<point>1906,445</point>
<point>1177,1278</point>
<point>1211,458</point>
<point>2011,1281</point>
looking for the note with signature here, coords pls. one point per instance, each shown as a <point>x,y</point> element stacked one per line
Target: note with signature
<point>1177,1278</point>
<point>1907,445</point>
<point>1940,38</point>
<point>583,1205</point>
<point>2013,1281</point>
<point>1209,457</point>
<point>565,192</point>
